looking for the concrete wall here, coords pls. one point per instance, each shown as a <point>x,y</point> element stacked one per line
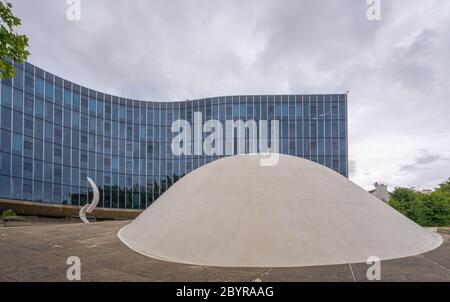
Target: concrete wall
<point>21,207</point>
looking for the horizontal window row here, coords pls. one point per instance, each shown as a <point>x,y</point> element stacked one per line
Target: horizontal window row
<point>110,127</point>
<point>110,196</point>
<point>76,157</point>
<point>99,143</point>
<point>271,106</point>
<point>11,164</point>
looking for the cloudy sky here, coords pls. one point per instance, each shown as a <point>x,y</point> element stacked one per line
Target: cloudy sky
<point>397,69</point>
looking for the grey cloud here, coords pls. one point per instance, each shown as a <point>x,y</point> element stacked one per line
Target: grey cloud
<point>422,160</point>
<point>409,63</point>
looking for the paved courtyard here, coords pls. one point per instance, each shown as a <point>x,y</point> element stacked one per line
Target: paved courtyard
<point>39,253</point>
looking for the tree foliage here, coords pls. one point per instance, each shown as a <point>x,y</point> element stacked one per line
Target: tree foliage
<point>13,46</point>
<point>427,209</point>
<point>8,213</point>
<point>444,187</point>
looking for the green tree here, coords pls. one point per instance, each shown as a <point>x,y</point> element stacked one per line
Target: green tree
<point>12,45</point>
<point>427,209</point>
<point>436,209</point>
<point>406,201</point>
<point>444,187</point>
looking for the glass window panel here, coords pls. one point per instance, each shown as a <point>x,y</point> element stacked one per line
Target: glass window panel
<point>284,110</point>
<point>5,163</point>
<point>38,169</point>
<point>16,188</point>
<point>92,106</point>
<point>67,117</point>
<point>17,121</point>
<point>6,118</point>
<point>100,107</point>
<point>5,186</point>
<point>17,143</point>
<point>342,110</point>
<point>28,168</point>
<point>58,134</point>
<point>84,122</point>
<point>38,128</point>
<point>58,115</point>
<point>18,78</point>
<point>38,149</point>
<point>75,119</point>
<point>48,90</point>
<point>29,104</point>
<point>342,127</point>
<point>6,95</point>
<point>48,193</point>
<point>29,83</point>
<point>17,164</point>
<point>39,89</point>
<point>37,191</point>
<point>58,95</point>
<point>76,101</point>
<point>28,125</point>
<point>84,104</point>
<point>49,111</point>
<point>39,107</point>
<point>18,99</point>
<point>66,155</point>
<point>48,152</point>
<point>48,131</point>
<point>67,97</point>
<point>28,146</point>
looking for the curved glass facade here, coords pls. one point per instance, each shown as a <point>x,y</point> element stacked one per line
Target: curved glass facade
<point>55,133</point>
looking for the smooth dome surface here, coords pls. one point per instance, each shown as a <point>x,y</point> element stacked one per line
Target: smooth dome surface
<point>234,212</point>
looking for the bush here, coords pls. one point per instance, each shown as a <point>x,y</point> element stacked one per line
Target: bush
<point>436,209</point>
<point>8,213</point>
<point>426,209</point>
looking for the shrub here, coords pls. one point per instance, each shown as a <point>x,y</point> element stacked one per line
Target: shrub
<point>8,213</point>
<point>426,209</point>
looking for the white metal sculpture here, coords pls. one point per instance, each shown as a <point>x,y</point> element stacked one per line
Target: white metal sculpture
<point>89,208</point>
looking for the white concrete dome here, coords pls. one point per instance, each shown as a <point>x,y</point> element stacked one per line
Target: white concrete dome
<point>234,212</point>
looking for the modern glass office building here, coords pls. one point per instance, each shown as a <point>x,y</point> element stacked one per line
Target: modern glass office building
<point>55,133</point>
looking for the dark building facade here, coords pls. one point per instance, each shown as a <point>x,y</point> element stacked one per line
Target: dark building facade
<point>55,133</point>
